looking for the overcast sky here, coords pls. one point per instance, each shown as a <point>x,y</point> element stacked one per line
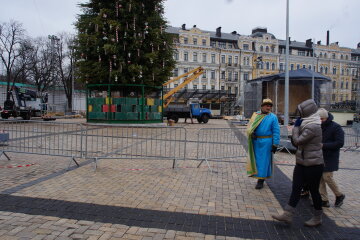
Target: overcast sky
<point>308,18</point>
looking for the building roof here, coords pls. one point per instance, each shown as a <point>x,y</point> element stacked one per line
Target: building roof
<point>224,36</point>
<point>299,74</point>
<point>294,44</point>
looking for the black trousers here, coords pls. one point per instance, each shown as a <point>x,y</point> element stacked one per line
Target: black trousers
<point>309,176</point>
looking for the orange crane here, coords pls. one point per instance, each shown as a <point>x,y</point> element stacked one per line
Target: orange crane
<point>190,76</point>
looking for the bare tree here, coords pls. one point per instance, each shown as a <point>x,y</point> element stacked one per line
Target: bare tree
<point>65,65</point>
<point>11,48</point>
<point>41,65</point>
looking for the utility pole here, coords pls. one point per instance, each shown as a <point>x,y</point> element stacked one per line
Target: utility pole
<point>286,94</point>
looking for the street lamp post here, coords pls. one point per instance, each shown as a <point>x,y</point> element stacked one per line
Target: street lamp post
<point>286,94</point>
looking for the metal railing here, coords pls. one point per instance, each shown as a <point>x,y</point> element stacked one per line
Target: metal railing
<point>220,144</point>
<point>352,137</point>
<point>131,142</point>
<point>42,138</point>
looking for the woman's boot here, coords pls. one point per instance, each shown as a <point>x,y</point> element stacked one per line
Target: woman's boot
<point>316,220</point>
<point>287,216</point>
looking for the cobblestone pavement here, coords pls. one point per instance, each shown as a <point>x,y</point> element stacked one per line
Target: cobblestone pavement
<point>147,199</point>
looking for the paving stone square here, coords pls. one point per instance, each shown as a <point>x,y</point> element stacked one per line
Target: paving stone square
<point>149,199</point>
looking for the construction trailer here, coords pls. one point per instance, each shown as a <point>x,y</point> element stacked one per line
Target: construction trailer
<point>300,89</point>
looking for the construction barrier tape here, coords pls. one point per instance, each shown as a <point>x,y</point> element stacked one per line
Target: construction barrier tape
<point>17,166</point>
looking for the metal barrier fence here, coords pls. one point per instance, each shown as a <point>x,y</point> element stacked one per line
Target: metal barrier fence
<point>42,138</point>
<point>352,137</point>
<point>116,141</point>
<point>220,144</point>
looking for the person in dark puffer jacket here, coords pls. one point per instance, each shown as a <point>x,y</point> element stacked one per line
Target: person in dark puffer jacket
<point>333,140</point>
<point>307,136</point>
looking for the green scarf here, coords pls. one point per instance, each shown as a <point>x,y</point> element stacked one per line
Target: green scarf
<point>253,124</point>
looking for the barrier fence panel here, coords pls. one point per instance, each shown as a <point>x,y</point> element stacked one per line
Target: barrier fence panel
<point>220,144</point>
<point>114,141</point>
<point>351,139</point>
<point>43,138</point>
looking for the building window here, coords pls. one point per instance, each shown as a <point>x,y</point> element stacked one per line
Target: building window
<point>309,67</point>
<point>326,70</point>
<point>186,56</point>
<point>342,57</point>
<point>204,74</point>
<point>261,48</point>
<point>281,67</point>
<point>212,58</point>
<point>236,60</point>
<point>301,53</point>
<point>292,67</point>
<point>176,72</point>
<point>222,88</point>
<point>347,85</point>
<point>236,90</point>
<point>204,42</point>
<point>334,84</point>
<point>229,89</point>
<point>321,69</point>
<point>333,97</point>
<point>230,46</point>
<point>222,74</point>
<point>334,70</point>
<point>195,57</point>
<point>342,71</point>
<point>195,87</point>
<point>176,55</point>
<point>195,41</point>
<point>186,40</point>
<point>246,46</point>
<point>273,66</point>
<point>247,61</point>
<point>204,57</point>
<point>267,49</point>
<point>230,75</point>
<point>204,87</point>
<point>230,60</point>
<point>212,87</point>
<point>342,85</point>
<point>213,43</point>
<point>325,55</point>
<point>333,56</point>
<point>298,66</point>
<point>246,76</point>
<point>346,57</point>
<point>222,45</point>
<point>272,49</point>
<point>222,58</point>
<point>236,76</point>
<point>212,74</point>
<point>267,65</point>
<point>304,66</point>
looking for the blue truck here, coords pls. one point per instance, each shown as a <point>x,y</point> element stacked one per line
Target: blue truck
<point>192,110</point>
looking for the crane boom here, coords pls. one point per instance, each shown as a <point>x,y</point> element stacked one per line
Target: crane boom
<point>195,73</point>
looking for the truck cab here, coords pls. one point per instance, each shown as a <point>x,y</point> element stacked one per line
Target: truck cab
<point>201,114</point>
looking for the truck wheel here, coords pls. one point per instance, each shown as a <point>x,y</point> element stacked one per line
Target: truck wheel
<point>205,118</point>
<point>175,118</point>
<point>4,116</point>
<point>199,120</point>
<point>26,116</point>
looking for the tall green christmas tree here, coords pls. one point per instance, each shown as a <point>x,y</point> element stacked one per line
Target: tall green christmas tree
<point>124,42</point>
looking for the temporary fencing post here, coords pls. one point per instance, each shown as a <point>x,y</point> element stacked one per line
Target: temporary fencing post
<point>3,153</point>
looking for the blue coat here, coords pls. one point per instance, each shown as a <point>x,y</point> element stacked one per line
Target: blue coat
<point>269,126</point>
<point>333,140</point>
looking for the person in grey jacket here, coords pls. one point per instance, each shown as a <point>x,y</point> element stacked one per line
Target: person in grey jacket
<point>307,136</point>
